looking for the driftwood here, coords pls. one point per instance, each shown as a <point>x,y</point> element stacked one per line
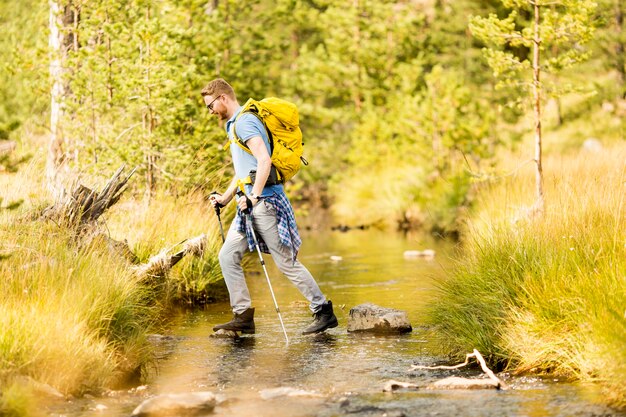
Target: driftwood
<point>498,383</point>
<point>453,382</point>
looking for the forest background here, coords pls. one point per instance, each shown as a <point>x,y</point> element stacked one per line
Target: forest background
<point>397,101</point>
<point>416,114</point>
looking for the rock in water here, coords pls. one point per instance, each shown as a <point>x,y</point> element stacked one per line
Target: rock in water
<point>224,334</point>
<point>187,404</point>
<point>270,393</point>
<point>393,385</point>
<point>428,254</point>
<point>455,382</point>
<point>372,318</point>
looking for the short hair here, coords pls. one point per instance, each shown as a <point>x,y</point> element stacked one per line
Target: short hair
<point>218,87</point>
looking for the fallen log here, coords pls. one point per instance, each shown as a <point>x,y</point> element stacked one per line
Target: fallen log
<point>161,263</point>
<point>82,208</point>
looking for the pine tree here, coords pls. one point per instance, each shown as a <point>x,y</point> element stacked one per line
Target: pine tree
<point>612,39</point>
<point>555,34</point>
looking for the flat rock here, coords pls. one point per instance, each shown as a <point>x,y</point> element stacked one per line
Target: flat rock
<point>39,387</point>
<point>426,254</point>
<point>375,319</point>
<point>393,385</point>
<point>270,393</point>
<point>455,382</point>
<point>187,404</point>
<point>225,334</point>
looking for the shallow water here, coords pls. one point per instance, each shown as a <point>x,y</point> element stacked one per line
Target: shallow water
<point>343,373</point>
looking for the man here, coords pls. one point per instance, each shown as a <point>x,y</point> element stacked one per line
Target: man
<point>272,214</point>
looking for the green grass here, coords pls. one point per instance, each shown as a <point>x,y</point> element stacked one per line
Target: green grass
<point>75,316</point>
<point>18,399</point>
<point>70,317</point>
<point>163,224</point>
<point>546,295</point>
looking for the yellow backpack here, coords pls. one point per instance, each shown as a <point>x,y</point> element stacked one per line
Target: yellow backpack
<point>281,121</point>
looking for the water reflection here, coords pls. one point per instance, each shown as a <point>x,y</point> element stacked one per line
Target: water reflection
<point>311,356</point>
<point>346,372</point>
<point>237,358</point>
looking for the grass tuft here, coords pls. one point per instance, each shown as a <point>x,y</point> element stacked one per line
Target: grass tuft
<point>74,316</point>
<point>546,295</point>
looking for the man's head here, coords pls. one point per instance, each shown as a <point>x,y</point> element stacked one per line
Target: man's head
<point>219,97</point>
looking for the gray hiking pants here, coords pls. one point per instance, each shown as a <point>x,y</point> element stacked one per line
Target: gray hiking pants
<point>236,245</point>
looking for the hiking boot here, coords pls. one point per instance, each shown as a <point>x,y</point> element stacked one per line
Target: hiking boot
<point>243,323</point>
<point>323,319</point>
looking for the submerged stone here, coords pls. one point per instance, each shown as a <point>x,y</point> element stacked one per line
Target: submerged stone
<point>39,387</point>
<point>455,382</point>
<point>426,253</point>
<point>270,393</point>
<point>187,404</point>
<point>225,334</point>
<point>375,319</point>
<point>393,385</point>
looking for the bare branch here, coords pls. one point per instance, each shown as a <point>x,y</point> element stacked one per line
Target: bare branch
<point>479,359</point>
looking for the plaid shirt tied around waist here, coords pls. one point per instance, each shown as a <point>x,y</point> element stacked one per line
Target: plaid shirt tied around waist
<point>285,221</point>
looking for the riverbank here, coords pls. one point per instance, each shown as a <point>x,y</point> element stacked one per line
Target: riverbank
<point>74,316</point>
<point>336,373</point>
<point>545,295</point>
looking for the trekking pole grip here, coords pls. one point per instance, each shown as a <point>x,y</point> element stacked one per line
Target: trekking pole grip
<point>248,209</point>
<point>217,207</point>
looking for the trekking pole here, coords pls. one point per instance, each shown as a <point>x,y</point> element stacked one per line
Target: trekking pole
<point>248,214</point>
<point>218,208</point>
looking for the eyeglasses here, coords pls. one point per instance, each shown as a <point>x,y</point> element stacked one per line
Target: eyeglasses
<point>210,105</point>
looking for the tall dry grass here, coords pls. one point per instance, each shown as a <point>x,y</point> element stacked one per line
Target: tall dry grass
<point>382,197</point>
<point>546,294</point>
<point>76,316</point>
<point>164,224</point>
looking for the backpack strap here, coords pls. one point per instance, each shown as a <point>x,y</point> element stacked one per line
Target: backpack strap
<point>237,140</point>
<point>252,110</point>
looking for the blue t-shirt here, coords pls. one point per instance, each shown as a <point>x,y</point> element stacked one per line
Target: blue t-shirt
<point>248,126</point>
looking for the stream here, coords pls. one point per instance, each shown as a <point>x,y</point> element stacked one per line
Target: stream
<point>343,373</point>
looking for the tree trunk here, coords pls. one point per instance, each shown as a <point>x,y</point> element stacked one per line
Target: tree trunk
<point>539,202</point>
<point>55,145</point>
<point>559,113</point>
<point>80,209</point>
<point>83,207</point>
<point>619,46</point>
<point>110,61</point>
<point>356,91</point>
<point>60,40</point>
<point>149,117</point>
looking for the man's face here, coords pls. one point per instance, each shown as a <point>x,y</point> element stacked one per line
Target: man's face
<point>216,105</point>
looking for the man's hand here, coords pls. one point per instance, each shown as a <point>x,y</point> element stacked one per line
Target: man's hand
<point>217,200</point>
<point>242,202</point>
